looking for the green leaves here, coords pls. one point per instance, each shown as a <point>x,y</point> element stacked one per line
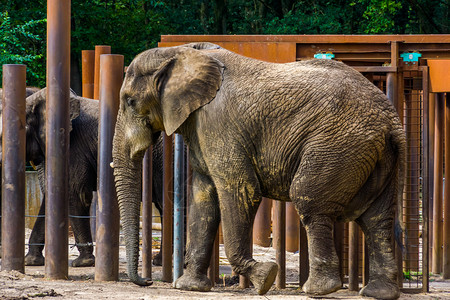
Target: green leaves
<point>19,44</point>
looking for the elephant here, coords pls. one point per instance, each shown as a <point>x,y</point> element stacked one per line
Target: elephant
<point>84,115</point>
<point>316,133</point>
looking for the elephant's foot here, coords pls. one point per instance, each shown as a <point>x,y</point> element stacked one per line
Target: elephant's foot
<point>188,282</point>
<point>84,260</point>
<point>381,289</point>
<point>322,285</point>
<point>34,259</point>
<point>262,275</point>
<point>157,259</point>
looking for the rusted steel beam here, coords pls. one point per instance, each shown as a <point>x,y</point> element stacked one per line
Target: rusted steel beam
<point>446,204</point>
<point>147,215</point>
<point>87,73</point>
<point>213,269</point>
<point>262,224</point>
<point>353,250</point>
<point>99,50</point>
<point>440,115</point>
<point>280,243</point>
<point>167,234</point>
<point>308,39</point>
<point>107,237</point>
<point>292,228</point>
<point>13,168</point>
<point>303,257</point>
<point>57,144</point>
<point>426,188</point>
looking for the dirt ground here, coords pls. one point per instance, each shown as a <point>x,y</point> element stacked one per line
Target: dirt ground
<point>81,284</point>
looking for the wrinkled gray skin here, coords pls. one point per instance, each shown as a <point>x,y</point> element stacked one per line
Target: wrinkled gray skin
<point>84,114</point>
<point>316,133</point>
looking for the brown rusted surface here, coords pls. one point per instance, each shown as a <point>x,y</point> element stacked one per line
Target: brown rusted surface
<point>147,174</point>
<point>99,50</point>
<point>107,237</point>
<point>213,269</point>
<point>292,228</point>
<point>57,144</point>
<point>446,203</point>
<point>353,250</point>
<point>13,168</point>
<point>303,257</point>
<point>87,73</point>
<point>280,243</point>
<point>167,234</point>
<point>262,224</point>
<point>436,265</point>
<point>439,75</point>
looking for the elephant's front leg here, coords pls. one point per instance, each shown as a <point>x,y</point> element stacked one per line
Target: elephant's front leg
<point>204,218</point>
<point>34,256</point>
<point>238,206</point>
<point>79,209</point>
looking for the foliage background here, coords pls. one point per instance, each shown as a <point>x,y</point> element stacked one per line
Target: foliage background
<point>131,26</point>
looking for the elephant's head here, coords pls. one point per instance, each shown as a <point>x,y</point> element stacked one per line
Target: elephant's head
<point>35,123</point>
<point>161,89</point>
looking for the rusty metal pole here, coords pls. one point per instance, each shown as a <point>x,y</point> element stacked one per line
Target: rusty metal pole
<point>436,264</point>
<point>87,73</point>
<point>147,217</point>
<point>261,225</point>
<point>292,228</point>
<point>99,50</point>
<point>303,257</point>
<point>446,204</point>
<point>213,269</point>
<point>280,243</point>
<point>13,169</point>
<point>57,144</point>
<point>178,206</point>
<point>107,237</point>
<point>353,245</point>
<point>167,209</point>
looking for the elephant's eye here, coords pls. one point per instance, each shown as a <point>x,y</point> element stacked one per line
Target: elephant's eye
<point>131,101</point>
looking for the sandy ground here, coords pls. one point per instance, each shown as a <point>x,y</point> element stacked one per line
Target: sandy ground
<point>81,284</point>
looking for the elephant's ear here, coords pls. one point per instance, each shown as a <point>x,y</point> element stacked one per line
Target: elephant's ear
<point>74,107</point>
<point>185,83</point>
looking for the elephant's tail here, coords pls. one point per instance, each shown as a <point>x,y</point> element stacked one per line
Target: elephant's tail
<point>399,142</point>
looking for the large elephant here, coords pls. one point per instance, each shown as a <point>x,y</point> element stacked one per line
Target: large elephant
<point>316,133</point>
<point>84,115</point>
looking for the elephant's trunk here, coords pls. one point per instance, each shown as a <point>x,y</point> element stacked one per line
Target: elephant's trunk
<point>128,177</point>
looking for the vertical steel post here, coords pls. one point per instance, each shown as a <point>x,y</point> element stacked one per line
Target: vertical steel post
<point>87,73</point>
<point>178,208</point>
<point>261,225</point>
<point>303,256</point>
<point>107,237</point>
<point>446,204</point>
<point>13,169</point>
<point>99,50</point>
<point>436,264</point>
<point>292,227</point>
<point>167,209</point>
<point>426,189</point>
<point>213,269</point>
<point>57,144</point>
<point>353,245</point>
<point>280,244</point>
<point>147,216</point>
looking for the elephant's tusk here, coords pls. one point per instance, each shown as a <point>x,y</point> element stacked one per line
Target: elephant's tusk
<point>33,165</point>
<point>111,164</point>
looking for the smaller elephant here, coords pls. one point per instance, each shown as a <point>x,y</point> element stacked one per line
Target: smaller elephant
<point>84,116</point>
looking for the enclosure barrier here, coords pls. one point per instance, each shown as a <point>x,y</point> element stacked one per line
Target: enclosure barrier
<point>57,144</point>
<point>13,167</point>
<point>107,237</point>
<point>406,85</point>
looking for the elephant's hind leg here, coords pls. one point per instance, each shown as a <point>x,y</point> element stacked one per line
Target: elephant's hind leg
<point>377,224</point>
